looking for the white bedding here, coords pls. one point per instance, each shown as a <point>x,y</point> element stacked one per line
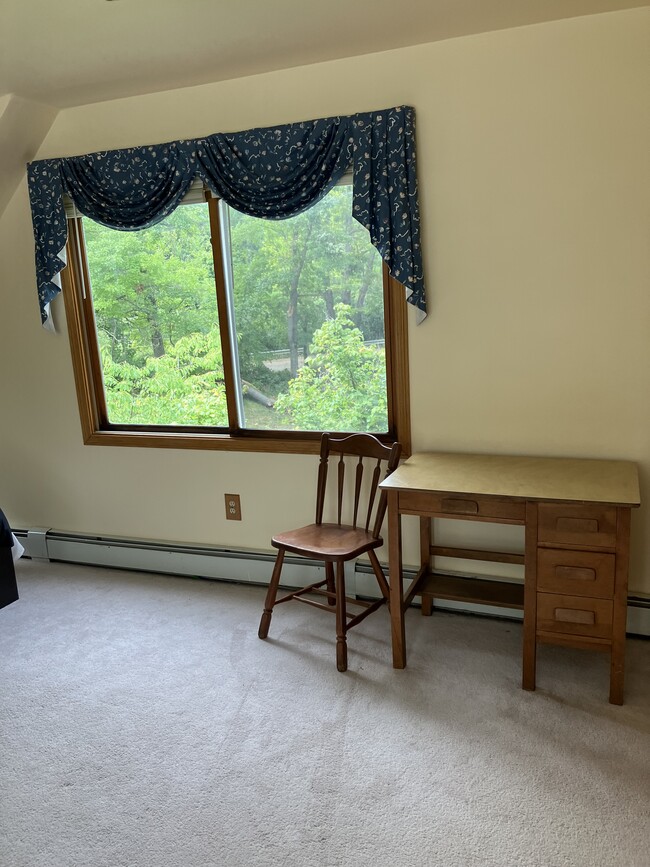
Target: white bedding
<point>17,549</point>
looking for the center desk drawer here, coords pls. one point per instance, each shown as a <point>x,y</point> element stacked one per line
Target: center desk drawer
<point>589,525</point>
<point>574,615</point>
<point>577,573</point>
<point>463,506</point>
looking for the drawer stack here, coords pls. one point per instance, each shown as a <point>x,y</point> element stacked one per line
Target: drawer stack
<point>581,556</point>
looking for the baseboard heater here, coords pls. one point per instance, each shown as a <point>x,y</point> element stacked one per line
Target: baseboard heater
<point>242,566</point>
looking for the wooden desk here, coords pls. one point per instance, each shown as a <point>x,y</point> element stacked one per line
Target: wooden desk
<point>576,515</point>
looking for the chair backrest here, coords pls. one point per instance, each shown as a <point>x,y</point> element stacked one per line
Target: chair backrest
<point>376,454</point>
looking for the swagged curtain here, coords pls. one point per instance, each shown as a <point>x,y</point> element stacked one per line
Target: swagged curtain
<point>273,173</point>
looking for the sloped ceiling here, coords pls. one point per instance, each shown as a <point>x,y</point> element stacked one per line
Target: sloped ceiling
<point>70,52</point>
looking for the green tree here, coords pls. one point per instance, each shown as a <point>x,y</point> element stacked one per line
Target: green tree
<point>342,385</point>
<point>153,286</point>
<point>184,386</point>
<point>290,274</point>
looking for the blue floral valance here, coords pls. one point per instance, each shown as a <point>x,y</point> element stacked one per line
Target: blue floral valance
<point>274,173</point>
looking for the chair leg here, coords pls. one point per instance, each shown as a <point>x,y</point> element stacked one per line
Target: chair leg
<point>272,592</point>
<point>379,575</point>
<point>331,586</point>
<point>341,619</point>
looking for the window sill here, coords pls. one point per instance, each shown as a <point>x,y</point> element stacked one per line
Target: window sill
<point>211,441</point>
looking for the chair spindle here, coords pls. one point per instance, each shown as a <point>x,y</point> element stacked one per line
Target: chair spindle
<point>357,490</point>
<point>341,486</point>
<point>373,491</point>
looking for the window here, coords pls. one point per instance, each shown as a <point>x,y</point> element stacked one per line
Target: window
<point>213,329</point>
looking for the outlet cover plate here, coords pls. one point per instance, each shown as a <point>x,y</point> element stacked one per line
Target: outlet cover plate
<point>233,507</point>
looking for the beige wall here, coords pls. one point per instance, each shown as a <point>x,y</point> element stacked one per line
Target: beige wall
<point>23,126</point>
<point>534,177</point>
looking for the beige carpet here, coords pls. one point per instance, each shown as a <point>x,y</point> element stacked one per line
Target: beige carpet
<point>143,723</point>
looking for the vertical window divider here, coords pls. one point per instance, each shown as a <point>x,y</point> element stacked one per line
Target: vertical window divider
<point>228,334</point>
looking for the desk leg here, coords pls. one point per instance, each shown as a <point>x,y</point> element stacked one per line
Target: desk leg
<point>617,665</point>
<point>396,580</point>
<point>425,560</point>
<point>530,599</point>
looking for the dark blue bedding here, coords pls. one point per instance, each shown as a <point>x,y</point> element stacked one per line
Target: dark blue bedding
<point>8,587</point>
<point>5,532</point>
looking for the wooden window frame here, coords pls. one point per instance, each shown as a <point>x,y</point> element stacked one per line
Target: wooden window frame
<point>86,363</point>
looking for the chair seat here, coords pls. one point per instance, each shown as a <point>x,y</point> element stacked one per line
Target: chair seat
<point>327,541</point>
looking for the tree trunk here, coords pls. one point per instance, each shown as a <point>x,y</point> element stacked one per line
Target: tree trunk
<point>346,294</point>
<point>292,327</point>
<point>150,310</point>
<point>157,341</point>
<point>299,257</point>
<point>328,297</point>
<point>365,282</point>
<point>258,396</point>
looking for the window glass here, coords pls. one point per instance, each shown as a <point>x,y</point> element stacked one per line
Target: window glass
<point>157,329</point>
<point>309,314</point>
<point>305,299</point>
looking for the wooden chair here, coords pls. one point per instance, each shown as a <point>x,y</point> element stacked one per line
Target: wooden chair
<point>335,544</point>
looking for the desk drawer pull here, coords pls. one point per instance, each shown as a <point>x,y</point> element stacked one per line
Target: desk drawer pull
<point>574,615</point>
<point>574,573</point>
<point>590,525</point>
<point>460,507</point>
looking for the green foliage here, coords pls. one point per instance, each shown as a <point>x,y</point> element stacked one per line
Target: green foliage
<point>153,286</point>
<point>342,385</point>
<point>184,386</point>
<point>324,255</point>
<point>305,289</point>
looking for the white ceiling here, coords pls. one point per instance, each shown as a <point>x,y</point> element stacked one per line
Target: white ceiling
<point>70,52</point>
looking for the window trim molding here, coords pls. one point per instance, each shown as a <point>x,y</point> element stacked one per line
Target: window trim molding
<point>86,364</point>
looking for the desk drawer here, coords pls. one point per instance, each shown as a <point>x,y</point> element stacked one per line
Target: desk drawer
<point>574,615</point>
<point>591,525</point>
<point>463,506</point>
<point>576,573</point>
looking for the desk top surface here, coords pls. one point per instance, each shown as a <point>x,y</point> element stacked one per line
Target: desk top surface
<point>526,478</point>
